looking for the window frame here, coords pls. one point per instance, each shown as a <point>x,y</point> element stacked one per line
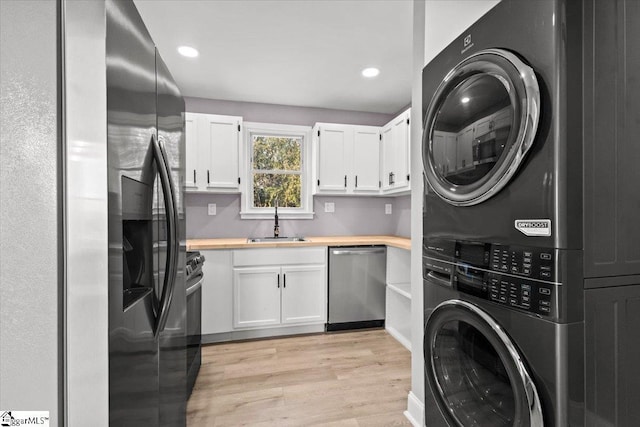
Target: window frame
<point>252,129</point>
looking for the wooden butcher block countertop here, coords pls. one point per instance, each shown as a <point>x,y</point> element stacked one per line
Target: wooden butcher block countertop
<point>241,243</point>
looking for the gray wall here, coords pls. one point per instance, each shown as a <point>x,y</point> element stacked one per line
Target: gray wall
<point>284,114</point>
<point>353,215</point>
<point>30,313</point>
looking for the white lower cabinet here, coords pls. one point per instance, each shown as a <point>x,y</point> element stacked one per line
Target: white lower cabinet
<point>279,287</point>
<point>303,294</point>
<point>256,296</point>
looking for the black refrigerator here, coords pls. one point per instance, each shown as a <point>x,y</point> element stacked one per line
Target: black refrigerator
<point>145,162</point>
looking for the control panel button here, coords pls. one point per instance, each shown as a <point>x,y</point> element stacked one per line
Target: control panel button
<point>544,309</point>
<point>545,256</point>
<point>545,303</point>
<point>545,275</point>
<point>545,291</point>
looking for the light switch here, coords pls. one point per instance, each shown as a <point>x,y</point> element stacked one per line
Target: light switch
<point>211,209</point>
<point>388,208</point>
<point>329,207</point>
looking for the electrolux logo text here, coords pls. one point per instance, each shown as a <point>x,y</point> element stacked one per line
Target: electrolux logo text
<point>24,418</point>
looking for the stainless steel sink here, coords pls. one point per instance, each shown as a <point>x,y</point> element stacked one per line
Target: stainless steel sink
<point>275,239</point>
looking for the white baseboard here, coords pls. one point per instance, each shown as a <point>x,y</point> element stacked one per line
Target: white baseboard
<point>262,333</point>
<point>399,337</point>
<point>415,410</point>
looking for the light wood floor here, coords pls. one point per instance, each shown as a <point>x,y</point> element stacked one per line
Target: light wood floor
<point>340,379</point>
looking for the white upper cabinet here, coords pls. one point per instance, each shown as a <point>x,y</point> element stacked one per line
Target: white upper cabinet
<point>333,141</point>
<point>191,144</point>
<point>366,159</point>
<point>348,159</point>
<point>213,152</point>
<point>396,160</point>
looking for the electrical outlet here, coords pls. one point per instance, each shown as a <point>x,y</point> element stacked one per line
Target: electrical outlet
<point>329,207</point>
<point>211,209</point>
<point>388,208</point>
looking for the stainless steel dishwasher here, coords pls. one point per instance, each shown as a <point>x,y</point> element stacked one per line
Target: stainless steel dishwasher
<point>357,276</point>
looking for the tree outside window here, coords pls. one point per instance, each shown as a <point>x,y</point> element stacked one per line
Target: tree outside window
<point>276,163</point>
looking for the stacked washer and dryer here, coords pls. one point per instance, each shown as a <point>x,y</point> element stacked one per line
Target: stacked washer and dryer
<point>531,249</point>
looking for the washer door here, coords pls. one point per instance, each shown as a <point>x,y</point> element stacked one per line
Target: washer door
<point>479,125</point>
<point>475,372</point>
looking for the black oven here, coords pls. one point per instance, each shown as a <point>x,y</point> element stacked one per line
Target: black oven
<point>194,316</point>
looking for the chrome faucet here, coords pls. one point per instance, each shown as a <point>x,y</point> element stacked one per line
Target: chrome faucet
<point>276,227</point>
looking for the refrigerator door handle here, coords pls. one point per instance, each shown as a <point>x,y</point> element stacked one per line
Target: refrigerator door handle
<point>166,182</point>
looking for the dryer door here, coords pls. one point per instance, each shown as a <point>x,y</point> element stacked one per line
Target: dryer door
<point>479,125</point>
<point>475,372</point>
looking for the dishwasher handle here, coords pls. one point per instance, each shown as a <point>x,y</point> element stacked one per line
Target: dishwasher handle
<point>357,251</point>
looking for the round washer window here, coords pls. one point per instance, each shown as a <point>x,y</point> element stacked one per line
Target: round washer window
<point>479,125</point>
<point>475,372</point>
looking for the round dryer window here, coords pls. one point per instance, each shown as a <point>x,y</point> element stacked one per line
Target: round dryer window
<point>479,125</point>
<point>475,373</point>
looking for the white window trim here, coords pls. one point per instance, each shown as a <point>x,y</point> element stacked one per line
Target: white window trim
<point>304,132</point>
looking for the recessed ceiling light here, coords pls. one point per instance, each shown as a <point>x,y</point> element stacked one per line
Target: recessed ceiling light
<point>188,51</point>
<point>370,72</point>
<point>465,100</point>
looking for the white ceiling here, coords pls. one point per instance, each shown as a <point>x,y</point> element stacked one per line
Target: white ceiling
<point>290,52</point>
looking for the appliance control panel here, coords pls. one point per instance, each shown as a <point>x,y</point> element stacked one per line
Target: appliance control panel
<point>523,294</point>
<point>525,278</point>
<point>528,262</point>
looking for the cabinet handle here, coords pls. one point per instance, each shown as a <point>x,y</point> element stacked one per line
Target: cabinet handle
<point>194,176</point>
<point>278,281</point>
<point>356,181</point>
<point>208,176</point>
<point>284,280</point>
<point>345,181</point>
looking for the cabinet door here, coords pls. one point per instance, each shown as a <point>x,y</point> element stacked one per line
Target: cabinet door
<point>388,157</point>
<point>502,118</point>
<point>304,294</point>
<point>483,127</point>
<point>222,138</point>
<point>256,297</point>
<point>332,153</point>
<point>395,154</point>
<point>612,351</point>
<point>464,156</point>
<point>366,160</point>
<point>401,148</point>
<point>217,292</point>
<point>192,153</point>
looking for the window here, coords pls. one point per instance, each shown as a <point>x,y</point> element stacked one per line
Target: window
<point>276,165</point>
